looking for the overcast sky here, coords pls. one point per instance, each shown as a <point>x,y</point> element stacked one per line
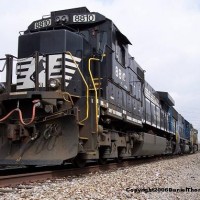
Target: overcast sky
<point>165,35</point>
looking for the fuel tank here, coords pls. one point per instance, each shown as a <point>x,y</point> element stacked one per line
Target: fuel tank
<point>151,145</point>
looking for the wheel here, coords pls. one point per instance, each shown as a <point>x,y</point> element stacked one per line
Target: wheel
<point>30,166</point>
<point>195,148</point>
<point>102,161</point>
<point>78,161</point>
<point>119,159</point>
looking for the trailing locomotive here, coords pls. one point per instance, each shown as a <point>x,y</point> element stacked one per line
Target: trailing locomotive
<point>79,95</point>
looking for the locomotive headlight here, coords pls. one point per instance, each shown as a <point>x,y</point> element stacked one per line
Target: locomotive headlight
<point>54,84</point>
<point>62,19</point>
<point>57,19</point>
<point>2,88</point>
<point>65,18</point>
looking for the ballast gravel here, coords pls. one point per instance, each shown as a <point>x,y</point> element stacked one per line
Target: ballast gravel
<point>177,178</point>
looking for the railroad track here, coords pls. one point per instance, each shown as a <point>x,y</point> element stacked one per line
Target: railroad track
<point>40,174</point>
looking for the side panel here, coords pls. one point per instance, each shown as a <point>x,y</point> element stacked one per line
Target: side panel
<point>148,111</point>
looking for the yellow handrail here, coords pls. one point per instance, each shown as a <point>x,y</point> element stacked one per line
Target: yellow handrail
<point>87,87</point>
<point>95,90</point>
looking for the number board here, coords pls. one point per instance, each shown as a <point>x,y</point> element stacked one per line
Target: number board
<point>84,18</point>
<point>42,23</point>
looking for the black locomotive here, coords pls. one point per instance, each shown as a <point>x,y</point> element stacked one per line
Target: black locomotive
<point>79,95</point>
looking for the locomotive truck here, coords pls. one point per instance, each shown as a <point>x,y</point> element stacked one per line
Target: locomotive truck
<point>79,95</point>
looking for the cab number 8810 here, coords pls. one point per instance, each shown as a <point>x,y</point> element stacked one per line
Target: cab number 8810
<point>84,18</point>
<point>42,23</point>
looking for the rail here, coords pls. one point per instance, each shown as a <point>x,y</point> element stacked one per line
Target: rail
<point>9,66</point>
<point>86,85</point>
<point>14,177</point>
<point>1,70</point>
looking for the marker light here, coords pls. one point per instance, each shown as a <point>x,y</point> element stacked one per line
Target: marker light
<point>65,18</point>
<point>54,84</point>
<point>57,19</point>
<point>62,19</point>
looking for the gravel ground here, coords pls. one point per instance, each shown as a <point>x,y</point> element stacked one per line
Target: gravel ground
<point>182,173</point>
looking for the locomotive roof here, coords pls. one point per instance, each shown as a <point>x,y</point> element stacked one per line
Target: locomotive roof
<point>74,18</point>
<point>73,10</point>
<point>164,96</point>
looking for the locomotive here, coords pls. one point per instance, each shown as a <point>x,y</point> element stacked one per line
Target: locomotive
<point>79,95</point>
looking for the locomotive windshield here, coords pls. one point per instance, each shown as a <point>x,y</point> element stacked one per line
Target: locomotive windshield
<point>48,42</point>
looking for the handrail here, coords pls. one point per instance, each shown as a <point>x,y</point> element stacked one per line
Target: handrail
<point>70,97</point>
<point>87,87</point>
<point>95,89</point>
<point>1,70</point>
